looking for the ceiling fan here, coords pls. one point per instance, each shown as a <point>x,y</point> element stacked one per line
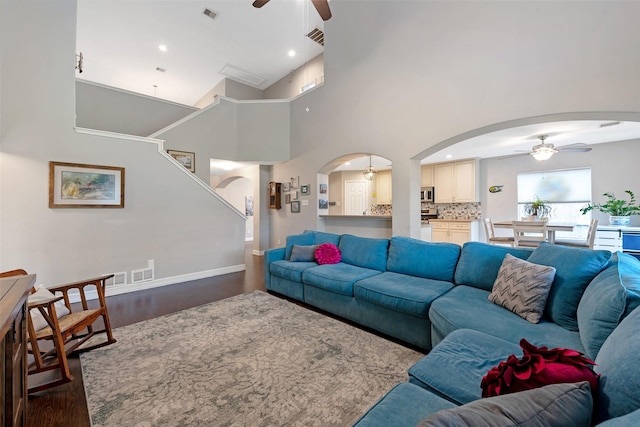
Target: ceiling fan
<point>544,150</point>
<point>322,6</point>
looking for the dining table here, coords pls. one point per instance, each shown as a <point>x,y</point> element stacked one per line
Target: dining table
<point>552,227</point>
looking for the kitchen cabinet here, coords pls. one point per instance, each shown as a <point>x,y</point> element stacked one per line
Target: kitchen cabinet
<point>456,182</point>
<point>458,232</point>
<point>425,232</point>
<point>383,188</point>
<point>427,176</point>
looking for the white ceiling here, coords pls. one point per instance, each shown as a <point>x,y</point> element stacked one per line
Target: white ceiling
<point>119,40</point>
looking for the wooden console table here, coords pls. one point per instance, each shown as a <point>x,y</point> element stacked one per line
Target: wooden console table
<point>13,349</point>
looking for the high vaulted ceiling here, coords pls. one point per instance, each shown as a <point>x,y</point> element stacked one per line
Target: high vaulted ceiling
<point>120,40</point>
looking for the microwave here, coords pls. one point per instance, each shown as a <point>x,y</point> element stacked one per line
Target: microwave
<point>426,194</point>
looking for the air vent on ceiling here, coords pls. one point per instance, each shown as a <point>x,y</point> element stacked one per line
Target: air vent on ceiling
<point>242,76</point>
<point>210,13</point>
<point>317,36</point>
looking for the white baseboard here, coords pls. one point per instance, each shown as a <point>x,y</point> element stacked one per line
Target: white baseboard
<point>156,283</point>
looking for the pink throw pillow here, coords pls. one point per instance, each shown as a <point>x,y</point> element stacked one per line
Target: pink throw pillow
<point>328,253</point>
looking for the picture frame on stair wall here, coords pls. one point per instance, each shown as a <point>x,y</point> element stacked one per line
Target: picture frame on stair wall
<point>185,158</point>
<point>76,185</point>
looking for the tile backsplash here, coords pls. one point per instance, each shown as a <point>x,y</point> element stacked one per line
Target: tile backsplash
<point>445,210</point>
<point>458,210</point>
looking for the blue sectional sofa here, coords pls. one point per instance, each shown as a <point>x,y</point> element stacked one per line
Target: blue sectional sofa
<point>435,296</point>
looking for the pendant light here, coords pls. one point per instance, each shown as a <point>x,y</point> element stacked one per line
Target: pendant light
<point>370,172</point>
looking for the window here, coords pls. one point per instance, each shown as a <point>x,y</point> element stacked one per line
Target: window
<point>566,190</point>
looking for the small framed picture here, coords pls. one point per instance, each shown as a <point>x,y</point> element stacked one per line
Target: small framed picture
<point>295,207</point>
<point>286,186</point>
<point>323,188</point>
<point>305,190</point>
<point>323,204</point>
<point>287,198</point>
<point>294,195</point>
<point>295,181</point>
<point>185,158</point>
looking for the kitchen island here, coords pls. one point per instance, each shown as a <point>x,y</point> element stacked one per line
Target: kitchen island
<point>378,226</point>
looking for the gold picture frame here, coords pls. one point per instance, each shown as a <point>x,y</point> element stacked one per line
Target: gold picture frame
<point>77,185</point>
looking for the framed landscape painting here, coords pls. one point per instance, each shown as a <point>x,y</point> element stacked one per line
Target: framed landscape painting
<point>75,185</point>
<point>185,158</point>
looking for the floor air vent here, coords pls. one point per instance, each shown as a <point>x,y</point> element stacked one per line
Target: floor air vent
<point>317,36</point>
<point>143,274</point>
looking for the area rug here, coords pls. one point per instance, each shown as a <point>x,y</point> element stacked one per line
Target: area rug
<point>250,360</point>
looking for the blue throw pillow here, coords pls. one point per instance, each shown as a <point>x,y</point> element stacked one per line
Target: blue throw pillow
<point>575,269</point>
<point>609,298</point>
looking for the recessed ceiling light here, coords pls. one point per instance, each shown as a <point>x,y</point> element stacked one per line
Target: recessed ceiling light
<point>448,156</point>
<point>292,53</point>
<point>163,47</point>
<point>347,163</point>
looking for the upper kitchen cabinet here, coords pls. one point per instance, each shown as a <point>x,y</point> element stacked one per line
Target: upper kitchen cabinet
<point>427,176</point>
<point>383,187</point>
<point>456,182</point>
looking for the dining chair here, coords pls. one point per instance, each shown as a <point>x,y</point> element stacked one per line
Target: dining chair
<point>529,233</point>
<point>491,236</point>
<point>586,243</point>
<point>55,329</point>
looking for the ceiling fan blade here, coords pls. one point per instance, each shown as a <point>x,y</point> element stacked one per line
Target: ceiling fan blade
<point>509,156</point>
<point>575,148</point>
<point>260,3</point>
<point>322,6</point>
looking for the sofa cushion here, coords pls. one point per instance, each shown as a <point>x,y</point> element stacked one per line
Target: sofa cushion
<point>337,278</point>
<point>304,239</point>
<point>455,367</point>
<point>469,308</point>
<point>479,263</point>
<point>364,252</point>
<point>556,405</point>
<point>320,237</point>
<point>609,298</point>
<point>522,287</point>
<point>290,270</point>
<point>399,292</point>
<point>423,259</point>
<point>403,406</point>
<point>575,268</point>
<point>616,364</point>
<point>300,253</point>
<point>629,420</point>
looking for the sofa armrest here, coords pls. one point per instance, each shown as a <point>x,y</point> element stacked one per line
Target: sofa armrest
<point>271,255</point>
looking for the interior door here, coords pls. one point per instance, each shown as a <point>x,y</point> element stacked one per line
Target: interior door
<point>355,197</point>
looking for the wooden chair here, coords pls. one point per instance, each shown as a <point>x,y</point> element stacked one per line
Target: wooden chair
<point>63,335</point>
<point>577,243</point>
<point>529,233</point>
<point>491,236</point>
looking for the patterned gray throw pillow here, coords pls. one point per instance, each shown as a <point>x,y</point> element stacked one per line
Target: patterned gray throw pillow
<point>522,287</point>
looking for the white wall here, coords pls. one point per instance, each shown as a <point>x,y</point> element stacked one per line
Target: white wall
<point>167,216</point>
<point>430,71</point>
<point>289,86</point>
<point>115,110</point>
<point>612,167</point>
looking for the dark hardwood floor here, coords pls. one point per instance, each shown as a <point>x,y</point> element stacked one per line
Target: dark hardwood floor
<point>66,406</point>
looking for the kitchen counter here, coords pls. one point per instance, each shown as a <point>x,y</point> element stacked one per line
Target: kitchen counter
<point>453,220</point>
<point>378,226</point>
<point>357,216</point>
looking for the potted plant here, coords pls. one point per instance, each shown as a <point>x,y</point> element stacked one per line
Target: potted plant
<point>619,210</point>
<point>538,208</point>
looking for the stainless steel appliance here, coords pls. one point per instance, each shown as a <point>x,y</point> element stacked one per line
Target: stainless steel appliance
<point>426,194</point>
<point>427,214</point>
